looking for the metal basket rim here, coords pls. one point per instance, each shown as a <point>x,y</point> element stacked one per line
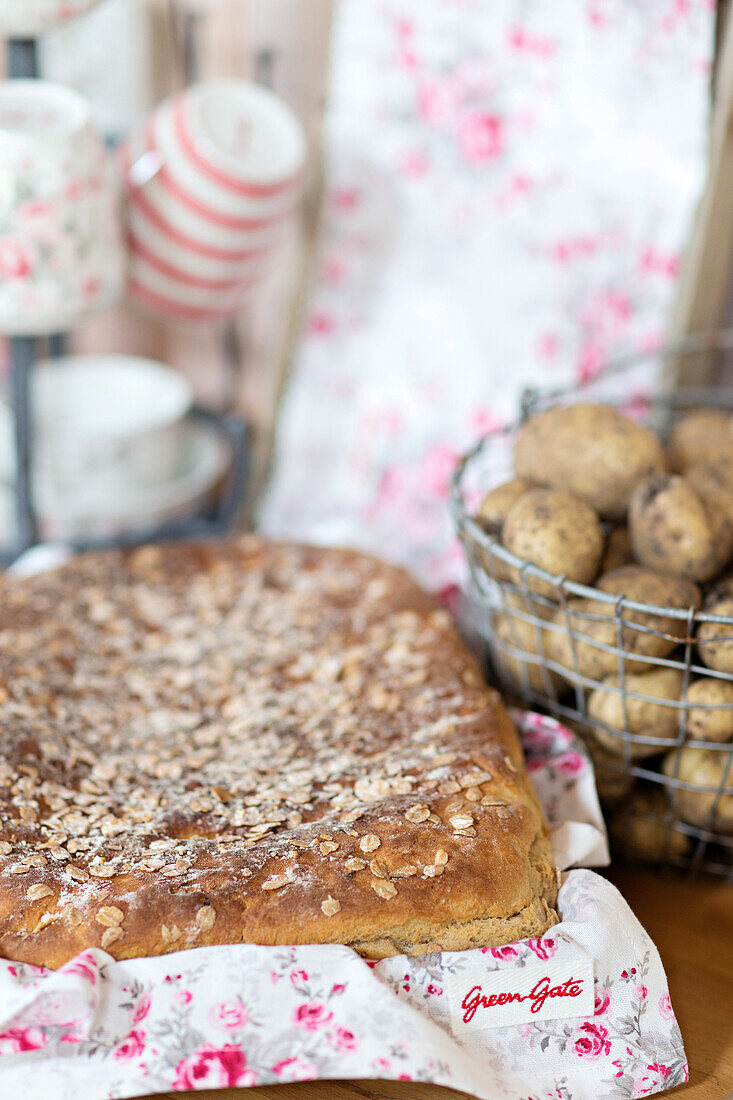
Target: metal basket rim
<point>469,529</point>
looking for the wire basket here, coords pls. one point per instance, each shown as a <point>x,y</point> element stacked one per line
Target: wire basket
<point>553,643</point>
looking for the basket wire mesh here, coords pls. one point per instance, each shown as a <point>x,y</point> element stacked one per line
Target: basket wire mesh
<point>552,643</point>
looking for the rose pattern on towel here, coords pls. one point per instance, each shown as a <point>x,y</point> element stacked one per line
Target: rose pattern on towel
<point>241,1016</point>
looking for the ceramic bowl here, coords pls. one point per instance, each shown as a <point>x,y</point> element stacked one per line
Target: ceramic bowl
<point>105,426</point>
<point>27,18</point>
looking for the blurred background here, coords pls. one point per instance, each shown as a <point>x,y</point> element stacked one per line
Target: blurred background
<point>495,195</point>
<point>279,264</point>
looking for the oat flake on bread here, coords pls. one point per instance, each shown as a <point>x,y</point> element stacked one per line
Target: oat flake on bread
<point>254,741</point>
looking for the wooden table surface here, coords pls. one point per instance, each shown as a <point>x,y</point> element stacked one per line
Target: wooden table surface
<point>691,924</point>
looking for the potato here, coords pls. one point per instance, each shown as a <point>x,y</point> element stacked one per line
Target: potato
<point>613,781</point>
<point>646,837</point>
<point>714,481</point>
<point>651,718</point>
<point>707,768</point>
<point>698,436</point>
<point>498,501</point>
<point>675,529</point>
<point>532,603</point>
<point>593,451</point>
<point>556,531</point>
<point>710,725</point>
<point>715,640</point>
<point>618,550</point>
<point>491,516</point>
<point>517,673</point>
<point>642,586</point>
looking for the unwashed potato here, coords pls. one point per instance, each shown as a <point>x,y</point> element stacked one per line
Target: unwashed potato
<point>676,529</point>
<point>593,451</point>
<point>491,516</point>
<point>637,584</point>
<point>713,480</point>
<point>710,725</point>
<point>519,674</point>
<point>698,436</point>
<point>613,781</point>
<point>646,837</point>
<point>533,603</point>
<point>618,550</point>
<point>715,640</point>
<point>651,718</point>
<point>556,531</point>
<point>706,768</point>
<point>497,502</point>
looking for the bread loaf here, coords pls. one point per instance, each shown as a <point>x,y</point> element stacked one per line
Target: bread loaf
<point>258,742</point>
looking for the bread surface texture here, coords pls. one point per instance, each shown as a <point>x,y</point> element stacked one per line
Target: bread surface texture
<point>258,742</point>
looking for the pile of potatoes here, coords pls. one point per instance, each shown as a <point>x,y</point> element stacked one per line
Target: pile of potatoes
<point>597,499</point>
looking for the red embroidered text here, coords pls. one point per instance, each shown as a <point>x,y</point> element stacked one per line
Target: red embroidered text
<point>540,992</point>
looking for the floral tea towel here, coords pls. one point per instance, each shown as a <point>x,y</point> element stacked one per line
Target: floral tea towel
<point>243,1015</point>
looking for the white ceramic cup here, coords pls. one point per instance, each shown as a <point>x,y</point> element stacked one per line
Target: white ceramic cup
<point>27,18</point>
<point>104,427</point>
<point>72,518</point>
<point>213,179</point>
<point>61,246</point>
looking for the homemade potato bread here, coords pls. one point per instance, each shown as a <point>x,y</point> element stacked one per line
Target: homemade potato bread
<point>259,742</point>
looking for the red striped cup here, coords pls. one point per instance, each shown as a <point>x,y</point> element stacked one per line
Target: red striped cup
<point>212,181</point>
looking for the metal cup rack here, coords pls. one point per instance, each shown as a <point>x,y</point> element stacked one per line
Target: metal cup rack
<point>22,55</point>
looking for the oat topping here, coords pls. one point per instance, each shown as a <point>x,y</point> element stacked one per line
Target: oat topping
<point>417,813</point>
<point>275,882</point>
<point>168,710</point>
<point>114,932</point>
<point>206,917</point>
<point>330,906</point>
<point>110,916</point>
<point>170,935</point>
<point>39,891</point>
<point>385,889</point>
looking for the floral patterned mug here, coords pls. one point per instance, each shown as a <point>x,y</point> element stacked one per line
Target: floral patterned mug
<point>27,18</point>
<point>61,245</point>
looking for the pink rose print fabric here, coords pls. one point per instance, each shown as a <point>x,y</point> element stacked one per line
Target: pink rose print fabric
<point>562,775</point>
<point>242,1015</point>
<point>509,185</point>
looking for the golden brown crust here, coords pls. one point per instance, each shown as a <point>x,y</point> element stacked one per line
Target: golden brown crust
<point>259,742</point>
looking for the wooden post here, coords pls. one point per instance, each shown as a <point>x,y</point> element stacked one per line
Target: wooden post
<point>705,277</point>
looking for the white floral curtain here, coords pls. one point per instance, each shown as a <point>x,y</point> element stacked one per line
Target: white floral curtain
<point>509,186</point>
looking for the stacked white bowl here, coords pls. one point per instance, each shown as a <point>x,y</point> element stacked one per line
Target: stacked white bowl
<point>212,179</point>
<point>27,18</point>
<point>115,449</point>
